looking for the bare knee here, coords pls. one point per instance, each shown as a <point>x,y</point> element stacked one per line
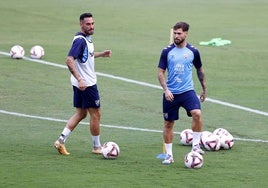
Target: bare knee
<point>168,125</point>
<point>196,114</point>
<point>95,114</point>
<point>82,113</point>
<point>197,120</point>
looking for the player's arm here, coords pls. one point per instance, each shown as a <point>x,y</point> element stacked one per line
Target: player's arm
<point>71,66</point>
<point>162,80</point>
<point>105,53</point>
<point>202,79</point>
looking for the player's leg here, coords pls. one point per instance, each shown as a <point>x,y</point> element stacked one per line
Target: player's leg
<point>168,135</point>
<point>171,114</point>
<point>196,120</point>
<point>197,128</point>
<point>80,114</point>
<point>92,103</point>
<point>192,105</point>
<point>70,126</point>
<point>94,126</point>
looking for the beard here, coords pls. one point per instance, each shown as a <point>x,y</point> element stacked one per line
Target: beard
<point>178,42</point>
<point>88,31</point>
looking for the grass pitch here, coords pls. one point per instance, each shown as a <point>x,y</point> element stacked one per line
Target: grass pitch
<point>136,31</point>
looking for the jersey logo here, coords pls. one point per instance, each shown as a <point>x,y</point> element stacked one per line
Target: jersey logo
<point>179,68</point>
<point>186,55</point>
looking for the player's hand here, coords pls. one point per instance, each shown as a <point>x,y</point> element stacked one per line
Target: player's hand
<point>169,96</point>
<point>203,96</point>
<point>81,84</point>
<point>107,53</point>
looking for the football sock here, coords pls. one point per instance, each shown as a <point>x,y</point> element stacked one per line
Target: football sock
<point>64,135</point>
<point>169,149</point>
<point>196,139</point>
<point>96,141</point>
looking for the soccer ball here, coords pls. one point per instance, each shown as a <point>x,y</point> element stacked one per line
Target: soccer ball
<point>110,150</point>
<point>226,139</point>
<point>203,136</point>
<point>17,52</point>
<point>193,160</point>
<point>211,142</point>
<point>220,131</point>
<point>37,52</point>
<point>186,137</point>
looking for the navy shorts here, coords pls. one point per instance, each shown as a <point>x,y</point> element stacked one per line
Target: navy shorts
<point>188,100</point>
<point>89,98</point>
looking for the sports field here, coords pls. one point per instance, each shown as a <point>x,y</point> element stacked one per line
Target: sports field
<point>36,96</point>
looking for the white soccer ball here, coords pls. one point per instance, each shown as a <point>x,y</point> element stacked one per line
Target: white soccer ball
<point>211,142</point>
<point>203,137</point>
<point>220,131</point>
<point>226,138</point>
<point>227,141</point>
<point>193,160</point>
<point>110,150</point>
<point>186,137</point>
<point>37,52</point>
<point>17,52</point>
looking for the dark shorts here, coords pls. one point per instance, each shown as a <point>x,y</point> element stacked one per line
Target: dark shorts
<point>89,98</point>
<point>188,100</point>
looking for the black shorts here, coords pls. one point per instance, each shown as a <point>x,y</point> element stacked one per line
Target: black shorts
<point>89,98</point>
<point>188,100</point>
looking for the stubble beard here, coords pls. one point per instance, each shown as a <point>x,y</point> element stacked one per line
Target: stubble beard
<point>178,42</point>
<point>90,32</point>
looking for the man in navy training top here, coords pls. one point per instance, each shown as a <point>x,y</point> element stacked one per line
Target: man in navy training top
<point>86,100</point>
<point>178,60</point>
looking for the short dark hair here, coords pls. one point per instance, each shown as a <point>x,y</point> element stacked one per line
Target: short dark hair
<point>85,15</point>
<point>181,25</point>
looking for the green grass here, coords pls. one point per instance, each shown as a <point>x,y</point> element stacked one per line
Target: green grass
<point>136,31</point>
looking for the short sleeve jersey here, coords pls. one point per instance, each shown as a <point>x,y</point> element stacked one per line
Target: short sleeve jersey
<point>179,63</point>
<point>82,50</point>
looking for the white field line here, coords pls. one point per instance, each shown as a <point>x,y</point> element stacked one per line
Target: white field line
<point>146,84</point>
<point>110,126</point>
<point>130,81</point>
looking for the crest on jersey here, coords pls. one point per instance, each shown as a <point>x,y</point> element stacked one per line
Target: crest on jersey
<point>186,55</point>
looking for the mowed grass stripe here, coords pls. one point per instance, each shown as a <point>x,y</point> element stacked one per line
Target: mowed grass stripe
<point>145,84</point>
<point>109,126</point>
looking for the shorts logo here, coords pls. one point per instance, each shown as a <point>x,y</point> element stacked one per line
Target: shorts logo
<point>97,102</point>
<point>165,115</point>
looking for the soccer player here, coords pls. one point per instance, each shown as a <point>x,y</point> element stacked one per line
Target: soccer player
<point>178,60</point>
<point>86,100</point>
